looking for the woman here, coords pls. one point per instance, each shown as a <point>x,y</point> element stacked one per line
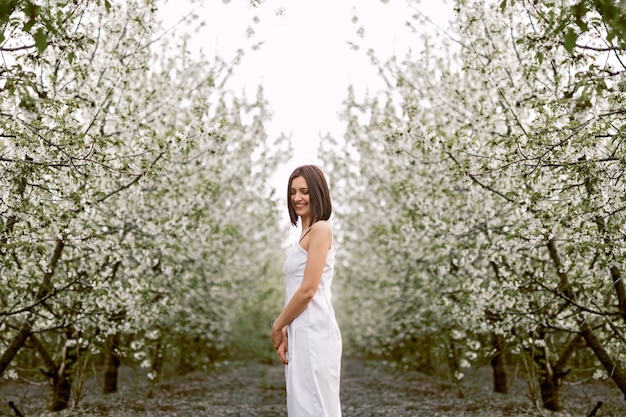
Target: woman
<point>305,334</point>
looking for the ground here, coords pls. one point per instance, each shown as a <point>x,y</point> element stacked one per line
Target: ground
<point>369,388</point>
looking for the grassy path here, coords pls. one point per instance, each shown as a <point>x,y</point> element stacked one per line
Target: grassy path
<point>368,390</point>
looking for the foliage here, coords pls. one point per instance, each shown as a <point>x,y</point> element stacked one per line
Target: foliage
<point>585,17</point>
<point>488,194</point>
<point>130,178</point>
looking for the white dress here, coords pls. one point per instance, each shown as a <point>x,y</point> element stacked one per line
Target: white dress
<point>314,344</point>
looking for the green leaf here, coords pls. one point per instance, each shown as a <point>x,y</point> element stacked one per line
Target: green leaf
<point>582,25</point>
<point>41,40</point>
<point>6,9</point>
<point>28,25</point>
<point>570,40</point>
<point>503,5</point>
<point>561,26</point>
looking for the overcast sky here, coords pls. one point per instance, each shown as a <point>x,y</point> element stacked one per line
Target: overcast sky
<point>305,62</point>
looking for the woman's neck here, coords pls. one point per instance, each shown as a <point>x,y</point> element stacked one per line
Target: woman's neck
<point>305,222</point>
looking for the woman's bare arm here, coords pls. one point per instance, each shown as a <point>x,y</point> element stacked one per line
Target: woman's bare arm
<point>320,241</point>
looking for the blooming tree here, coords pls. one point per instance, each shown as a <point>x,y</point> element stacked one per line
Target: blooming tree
<point>129,173</point>
<point>506,153</point>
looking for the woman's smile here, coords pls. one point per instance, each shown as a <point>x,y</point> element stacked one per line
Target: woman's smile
<point>300,196</point>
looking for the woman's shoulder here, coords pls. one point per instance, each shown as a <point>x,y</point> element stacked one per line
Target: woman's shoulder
<point>321,230</point>
<point>321,226</point>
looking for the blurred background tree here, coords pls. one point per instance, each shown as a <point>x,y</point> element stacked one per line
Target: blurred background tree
<point>485,197</point>
<point>130,178</point>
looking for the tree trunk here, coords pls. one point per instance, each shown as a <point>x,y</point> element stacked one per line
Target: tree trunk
<point>550,390</point>
<point>16,344</point>
<point>615,371</point>
<point>27,325</point>
<point>616,274</point>
<point>620,290</point>
<point>61,392</point>
<point>157,358</point>
<point>60,376</point>
<point>552,376</point>
<point>62,380</point>
<point>111,364</point>
<point>498,365</point>
<point>613,368</point>
<point>549,382</point>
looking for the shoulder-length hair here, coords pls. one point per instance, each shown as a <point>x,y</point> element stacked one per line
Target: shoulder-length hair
<point>319,194</point>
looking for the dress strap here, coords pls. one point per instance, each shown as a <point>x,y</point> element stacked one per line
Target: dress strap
<point>304,234</point>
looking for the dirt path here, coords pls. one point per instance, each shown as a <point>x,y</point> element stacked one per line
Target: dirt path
<point>368,390</point>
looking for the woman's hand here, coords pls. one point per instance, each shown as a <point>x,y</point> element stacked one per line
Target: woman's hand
<point>283,348</point>
<point>279,339</point>
<point>277,336</point>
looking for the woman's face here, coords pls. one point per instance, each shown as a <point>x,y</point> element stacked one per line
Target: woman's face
<point>300,196</point>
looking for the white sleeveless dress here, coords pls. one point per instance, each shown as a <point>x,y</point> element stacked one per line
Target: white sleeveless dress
<point>314,349</point>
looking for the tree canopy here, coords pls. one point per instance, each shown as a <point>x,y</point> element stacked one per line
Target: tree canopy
<point>130,173</point>
<point>485,194</point>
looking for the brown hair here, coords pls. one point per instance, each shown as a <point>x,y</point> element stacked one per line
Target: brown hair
<point>319,194</point>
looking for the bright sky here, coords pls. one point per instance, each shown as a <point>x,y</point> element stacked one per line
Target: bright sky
<point>305,63</point>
